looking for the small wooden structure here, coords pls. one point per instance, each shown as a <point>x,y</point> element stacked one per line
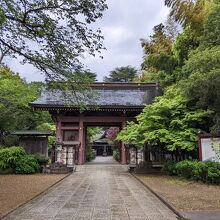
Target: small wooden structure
<point>102,147</point>
<point>34,142</point>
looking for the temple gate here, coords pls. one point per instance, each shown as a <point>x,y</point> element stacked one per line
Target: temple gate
<point>116,103</point>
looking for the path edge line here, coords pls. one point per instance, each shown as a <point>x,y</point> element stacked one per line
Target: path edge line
<point>36,196</point>
<point>171,207</point>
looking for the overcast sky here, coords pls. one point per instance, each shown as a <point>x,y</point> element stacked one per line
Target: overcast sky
<point>123,25</point>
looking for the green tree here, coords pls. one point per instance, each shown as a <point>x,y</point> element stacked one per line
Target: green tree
<point>184,44</point>
<point>189,11</point>
<point>168,123</point>
<point>212,27</point>
<point>159,63</point>
<point>203,68</point>
<point>190,102</point>
<point>122,74</point>
<point>88,76</point>
<point>51,35</point>
<point>92,132</point>
<point>15,112</point>
<point>158,43</point>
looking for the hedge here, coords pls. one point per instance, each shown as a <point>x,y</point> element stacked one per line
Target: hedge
<point>207,172</point>
<point>16,160</point>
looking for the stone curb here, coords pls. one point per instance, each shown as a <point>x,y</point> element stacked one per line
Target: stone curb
<point>171,207</point>
<point>36,196</point>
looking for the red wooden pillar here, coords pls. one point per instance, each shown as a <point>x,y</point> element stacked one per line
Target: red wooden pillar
<point>82,142</point>
<point>58,130</point>
<point>123,149</point>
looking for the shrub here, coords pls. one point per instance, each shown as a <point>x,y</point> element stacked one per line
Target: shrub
<point>116,154</point>
<point>184,168</point>
<point>41,159</point>
<point>169,167</point>
<point>199,171</point>
<point>207,172</point>
<point>10,156</point>
<point>90,154</point>
<point>27,164</point>
<point>213,175</point>
<point>212,164</point>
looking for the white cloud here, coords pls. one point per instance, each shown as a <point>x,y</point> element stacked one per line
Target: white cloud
<point>116,34</point>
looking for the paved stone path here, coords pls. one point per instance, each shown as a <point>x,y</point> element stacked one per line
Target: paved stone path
<point>96,192</point>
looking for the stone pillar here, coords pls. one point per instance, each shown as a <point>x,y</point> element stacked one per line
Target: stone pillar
<point>133,156</point>
<point>140,156</point>
<point>123,149</point>
<point>82,143</point>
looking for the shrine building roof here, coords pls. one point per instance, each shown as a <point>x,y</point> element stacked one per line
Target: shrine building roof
<point>102,95</point>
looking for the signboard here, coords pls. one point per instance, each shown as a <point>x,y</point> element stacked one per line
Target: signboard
<point>210,149</point>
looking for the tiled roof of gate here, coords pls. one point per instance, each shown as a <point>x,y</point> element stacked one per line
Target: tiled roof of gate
<point>103,95</point>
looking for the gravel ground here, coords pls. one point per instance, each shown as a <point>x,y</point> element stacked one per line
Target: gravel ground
<point>183,194</point>
<point>17,189</point>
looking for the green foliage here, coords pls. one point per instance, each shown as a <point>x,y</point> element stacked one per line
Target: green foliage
<point>203,60</point>
<point>130,134</point>
<point>185,168</point>
<point>88,76</point>
<point>190,12</point>
<point>46,126</point>
<point>122,74</point>
<point>116,154</point>
<point>211,35</point>
<point>162,61</point>
<point>202,86</point>
<point>184,44</point>
<point>27,165</point>
<point>169,167</point>
<point>90,153</point>
<point>10,156</point>
<point>203,68</point>
<point>41,159</point>
<point>15,159</point>
<point>159,62</point>
<point>188,69</point>
<point>15,112</point>
<point>51,35</point>
<point>213,175</point>
<point>168,122</point>
<point>207,172</point>
<point>92,132</point>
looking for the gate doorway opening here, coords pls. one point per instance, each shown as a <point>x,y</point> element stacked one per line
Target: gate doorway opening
<point>100,141</point>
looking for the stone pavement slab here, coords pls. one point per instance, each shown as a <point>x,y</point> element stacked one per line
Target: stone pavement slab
<point>202,215</point>
<point>96,192</point>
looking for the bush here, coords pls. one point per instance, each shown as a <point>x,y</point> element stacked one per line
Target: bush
<point>41,159</point>
<point>199,171</point>
<point>10,156</point>
<point>27,164</point>
<point>207,172</point>
<point>90,154</point>
<point>213,175</point>
<point>184,168</point>
<point>169,167</point>
<point>14,159</point>
<point>116,154</point>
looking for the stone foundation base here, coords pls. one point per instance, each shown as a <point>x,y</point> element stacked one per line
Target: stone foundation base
<point>57,168</point>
